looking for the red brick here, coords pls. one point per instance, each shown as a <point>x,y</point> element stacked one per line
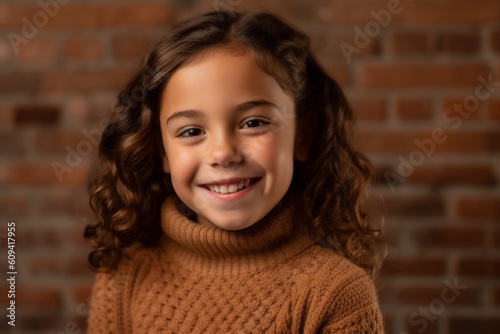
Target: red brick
<point>460,43</point>
<point>479,208</point>
<point>471,142</point>
<point>426,294</point>
<point>413,43</point>
<point>93,15</point>
<point>68,204</point>
<point>495,41</point>
<point>45,266</point>
<point>321,47</point>
<point>81,294</point>
<point>130,47</point>
<point>4,288</point>
<point>414,206</point>
<point>479,267</point>
<point>423,11</point>
<point>378,141</point>
<point>417,294</point>
<point>39,174</point>
<point>6,51</point>
<point>341,74</point>
<point>81,321</point>
<point>420,75</point>
<point>78,266</point>
<point>495,75</point>
<point>413,266</point>
<point>20,82</point>
<point>40,238</point>
<point>6,116</point>
<point>38,50</point>
<point>371,109</point>
<point>404,142</point>
<point>294,10</point>
<point>57,142</point>
<point>468,325</point>
<point>37,114</point>
<point>427,11</point>
<point>83,49</point>
<point>454,175</point>
<point>330,48</point>
<point>454,106</point>
<point>388,324</point>
<point>14,206</point>
<point>39,320</point>
<point>85,81</point>
<point>496,295</point>
<point>417,324</point>
<point>92,112</point>
<point>4,326</point>
<point>450,237</point>
<point>414,109</point>
<point>496,238</point>
<point>13,144</point>
<point>494,110</point>
<point>46,297</point>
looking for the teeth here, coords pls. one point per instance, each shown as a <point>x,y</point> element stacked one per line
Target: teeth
<point>229,188</point>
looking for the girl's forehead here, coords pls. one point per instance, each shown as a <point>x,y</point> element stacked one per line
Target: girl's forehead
<point>234,49</point>
<point>220,81</point>
<point>219,68</point>
<point>249,61</point>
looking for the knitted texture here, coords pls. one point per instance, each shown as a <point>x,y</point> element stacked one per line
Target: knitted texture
<point>268,278</point>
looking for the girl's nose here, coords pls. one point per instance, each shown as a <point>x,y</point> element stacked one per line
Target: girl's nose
<point>224,151</point>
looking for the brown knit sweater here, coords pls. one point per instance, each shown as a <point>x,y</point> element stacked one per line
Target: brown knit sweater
<point>268,278</point>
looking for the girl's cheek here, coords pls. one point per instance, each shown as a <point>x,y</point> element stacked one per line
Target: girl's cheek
<point>255,147</point>
<point>182,161</point>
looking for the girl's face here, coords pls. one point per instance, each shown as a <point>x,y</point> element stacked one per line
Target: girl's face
<point>228,130</point>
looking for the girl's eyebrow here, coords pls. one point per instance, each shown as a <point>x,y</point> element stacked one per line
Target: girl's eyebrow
<point>254,104</point>
<point>192,113</point>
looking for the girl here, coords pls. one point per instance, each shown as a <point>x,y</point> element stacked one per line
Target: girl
<point>229,193</point>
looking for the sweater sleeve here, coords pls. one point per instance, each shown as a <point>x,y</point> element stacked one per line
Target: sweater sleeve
<point>355,310</point>
<point>112,294</point>
<point>104,316</point>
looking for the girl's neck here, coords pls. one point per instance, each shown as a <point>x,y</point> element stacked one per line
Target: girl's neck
<point>277,236</point>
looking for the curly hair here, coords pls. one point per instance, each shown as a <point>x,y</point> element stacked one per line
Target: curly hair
<point>128,185</point>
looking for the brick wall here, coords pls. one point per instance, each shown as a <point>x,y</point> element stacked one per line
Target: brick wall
<point>423,77</point>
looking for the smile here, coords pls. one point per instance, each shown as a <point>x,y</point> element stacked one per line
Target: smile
<point>232,187</point>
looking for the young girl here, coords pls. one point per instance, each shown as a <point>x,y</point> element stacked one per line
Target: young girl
<point>228,191</point>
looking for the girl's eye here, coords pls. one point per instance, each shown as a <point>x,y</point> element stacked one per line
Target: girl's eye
<point>190,132</point>
<point>253,123</point>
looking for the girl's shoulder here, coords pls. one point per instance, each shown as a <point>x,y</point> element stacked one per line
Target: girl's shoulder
<point>135,261</point>
<point>332,282</point>
<point>329,259</point>
<point>325,267</point>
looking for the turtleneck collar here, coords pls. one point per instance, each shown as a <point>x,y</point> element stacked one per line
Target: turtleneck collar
<point>274,238</point>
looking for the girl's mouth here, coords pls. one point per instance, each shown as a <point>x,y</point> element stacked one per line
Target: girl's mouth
<point>232,187</point>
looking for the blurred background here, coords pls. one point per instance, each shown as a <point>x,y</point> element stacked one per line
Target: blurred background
<point>423,78</point>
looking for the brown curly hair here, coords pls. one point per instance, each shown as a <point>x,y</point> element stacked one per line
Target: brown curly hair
<point>128,185</point>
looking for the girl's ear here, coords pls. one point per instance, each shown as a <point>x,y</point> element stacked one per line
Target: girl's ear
<point>166,165</point>
<point>306,128</point>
